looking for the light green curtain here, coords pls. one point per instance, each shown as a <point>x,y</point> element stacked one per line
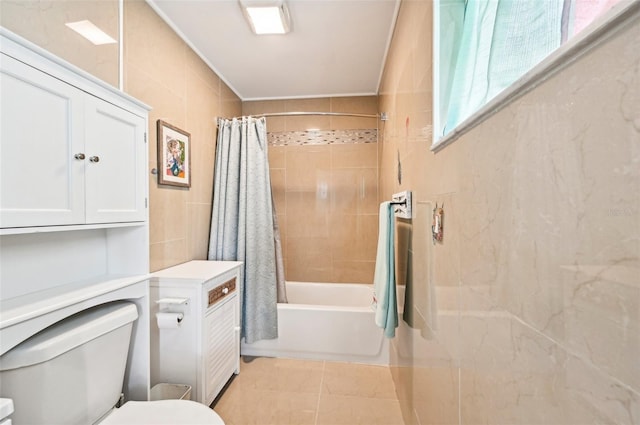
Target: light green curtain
<point>501,40</point>
<point>450,31</point>
<point>243,222</point>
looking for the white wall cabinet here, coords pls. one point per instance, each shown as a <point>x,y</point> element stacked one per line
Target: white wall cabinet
<point>67,157</point>
<point>203,351</point>
<point>78,220</point>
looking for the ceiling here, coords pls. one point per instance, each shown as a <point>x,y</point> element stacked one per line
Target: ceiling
<point>335,47</point>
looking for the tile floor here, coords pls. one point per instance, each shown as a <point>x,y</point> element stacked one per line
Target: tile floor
<point>271,391</point>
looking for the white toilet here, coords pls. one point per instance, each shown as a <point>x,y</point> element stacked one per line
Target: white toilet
<point>73,372</point>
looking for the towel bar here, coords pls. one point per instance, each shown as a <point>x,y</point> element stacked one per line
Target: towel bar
<point>402,202</point>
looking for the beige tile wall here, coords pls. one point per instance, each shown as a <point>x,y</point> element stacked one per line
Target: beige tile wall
<point>162,71</point>
<point>43,23</point>
<point>528,312</point>
<point>326,195</point>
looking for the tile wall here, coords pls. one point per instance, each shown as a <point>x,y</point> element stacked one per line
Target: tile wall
<point>162,71</point>
<point>529,311</point>
<point>43,23</point>
<point>326,192</point>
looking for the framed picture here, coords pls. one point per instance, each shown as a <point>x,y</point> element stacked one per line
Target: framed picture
<point>174,155</point>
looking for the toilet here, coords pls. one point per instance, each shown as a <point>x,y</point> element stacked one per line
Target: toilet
<point>73,373</point>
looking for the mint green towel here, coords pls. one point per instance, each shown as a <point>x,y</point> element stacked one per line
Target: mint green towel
<point>384,280</point>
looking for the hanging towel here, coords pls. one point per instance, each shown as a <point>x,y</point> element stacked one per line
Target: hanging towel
<point>384,281</point>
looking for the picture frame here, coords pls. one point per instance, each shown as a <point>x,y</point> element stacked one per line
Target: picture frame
<point>174,155</point>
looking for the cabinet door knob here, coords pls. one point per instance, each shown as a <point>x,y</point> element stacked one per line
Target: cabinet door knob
<point>94,159</point>
<point>79,156</point>
<point>225,290</point>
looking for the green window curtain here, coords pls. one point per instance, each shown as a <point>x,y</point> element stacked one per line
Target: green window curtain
<point>501,40</point>
<point>451,20</point>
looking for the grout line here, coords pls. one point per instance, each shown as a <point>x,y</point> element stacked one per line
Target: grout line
<point>315,422</point>
<point>459,395</point>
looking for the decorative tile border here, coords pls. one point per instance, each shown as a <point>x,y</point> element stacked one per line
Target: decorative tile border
<point>322,137</point>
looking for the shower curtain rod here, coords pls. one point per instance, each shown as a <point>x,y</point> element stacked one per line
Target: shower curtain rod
<point>290,114</point>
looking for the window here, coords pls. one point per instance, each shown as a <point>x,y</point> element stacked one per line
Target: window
<point>483,47</point>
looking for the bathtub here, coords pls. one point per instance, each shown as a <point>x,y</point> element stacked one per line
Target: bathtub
<point>326,321</point>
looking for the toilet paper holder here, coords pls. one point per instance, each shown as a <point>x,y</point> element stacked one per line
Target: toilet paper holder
<point>167,310</point>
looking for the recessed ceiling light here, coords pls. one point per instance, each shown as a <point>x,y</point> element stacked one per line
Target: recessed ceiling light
<point>91,32</point>
<point>266,17</point>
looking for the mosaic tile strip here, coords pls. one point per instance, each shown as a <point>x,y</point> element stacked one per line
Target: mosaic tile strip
<point>322,137</point>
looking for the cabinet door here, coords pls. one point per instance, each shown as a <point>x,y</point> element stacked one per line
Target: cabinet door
<point>116,163</point>
<point>41,125</point>
<point>220,348</point>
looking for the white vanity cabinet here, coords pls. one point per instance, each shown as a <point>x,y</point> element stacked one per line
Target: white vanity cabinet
<point>203,349</point>
<point>71,152</point>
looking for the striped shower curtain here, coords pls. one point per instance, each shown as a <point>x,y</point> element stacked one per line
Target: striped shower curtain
<point>243,223</point>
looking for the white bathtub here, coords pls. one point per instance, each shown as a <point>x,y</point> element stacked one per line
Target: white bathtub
<point>326,321</point>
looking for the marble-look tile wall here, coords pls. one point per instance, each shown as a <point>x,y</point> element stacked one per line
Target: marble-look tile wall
<point>529,311</point>
<point>326,195</point>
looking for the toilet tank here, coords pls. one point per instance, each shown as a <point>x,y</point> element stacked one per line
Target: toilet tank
<point>71,372</point>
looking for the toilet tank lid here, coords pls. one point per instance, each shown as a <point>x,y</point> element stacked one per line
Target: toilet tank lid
<point>69,333</point>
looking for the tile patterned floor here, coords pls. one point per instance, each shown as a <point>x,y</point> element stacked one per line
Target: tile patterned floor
<point>271,391</point>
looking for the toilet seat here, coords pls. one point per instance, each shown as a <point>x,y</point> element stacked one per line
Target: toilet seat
<point>161,412</point>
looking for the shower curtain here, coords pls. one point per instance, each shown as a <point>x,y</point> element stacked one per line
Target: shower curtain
<point>243,223</point>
